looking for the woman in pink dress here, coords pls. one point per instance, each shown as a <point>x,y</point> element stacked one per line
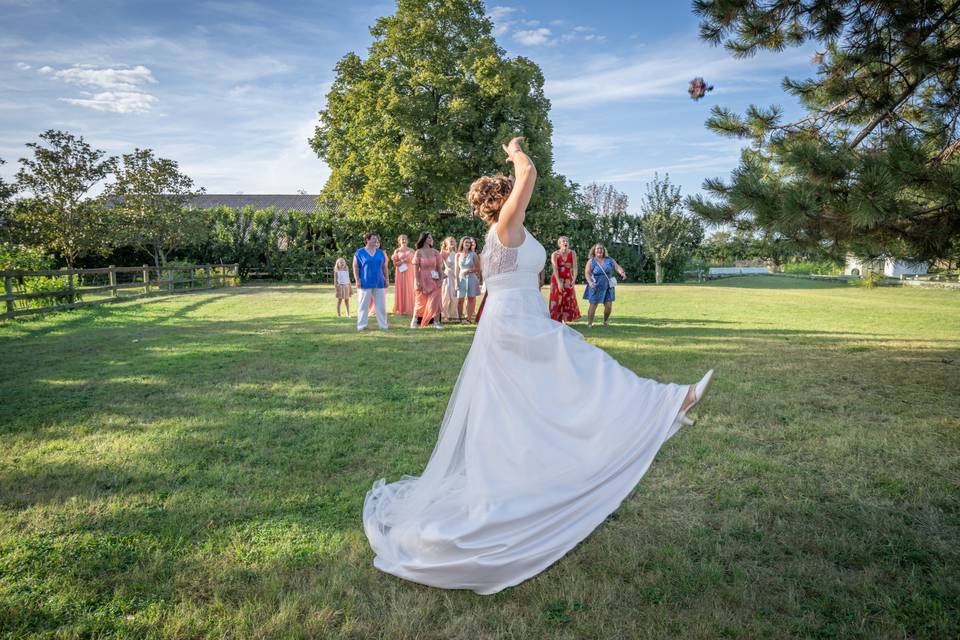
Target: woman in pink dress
<point>428,266</point>
<point>403,278</point>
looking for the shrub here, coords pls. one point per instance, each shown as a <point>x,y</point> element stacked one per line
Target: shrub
<point>870,280</point>
<point>821,267</point>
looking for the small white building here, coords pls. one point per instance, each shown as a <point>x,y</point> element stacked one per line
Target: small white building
<point>888,266</point>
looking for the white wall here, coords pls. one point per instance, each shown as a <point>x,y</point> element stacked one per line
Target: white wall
<point>894,268</point>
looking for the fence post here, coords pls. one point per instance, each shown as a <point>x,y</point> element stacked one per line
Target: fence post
<point>236,274</point>
<point>70,295</point>
<point>206,274</point>
<point>113,282</point>
<point>146,278</point>
<point>191,278</point>
<point>8,290</point>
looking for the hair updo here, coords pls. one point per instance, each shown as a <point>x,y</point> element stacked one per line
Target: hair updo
<point>487,194</point>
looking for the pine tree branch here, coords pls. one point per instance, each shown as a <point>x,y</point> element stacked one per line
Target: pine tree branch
<point>910,87</point>
<point>946,16</point>
<point>880,117</point>
<point>944,155</point>
<point>934,209</point>
<point>819,114</point>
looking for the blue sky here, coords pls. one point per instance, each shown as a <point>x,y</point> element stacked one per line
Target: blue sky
<point>231,89</point>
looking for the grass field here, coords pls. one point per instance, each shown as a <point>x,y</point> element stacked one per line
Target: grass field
<point>194,466</point>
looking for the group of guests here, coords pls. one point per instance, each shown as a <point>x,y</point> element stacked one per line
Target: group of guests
<point>430,285</point>
<point>436,286</point>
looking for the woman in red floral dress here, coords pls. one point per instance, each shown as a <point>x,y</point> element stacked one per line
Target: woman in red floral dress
<point>563,299</point>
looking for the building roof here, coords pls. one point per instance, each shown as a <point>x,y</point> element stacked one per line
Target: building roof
<point>306,203</point>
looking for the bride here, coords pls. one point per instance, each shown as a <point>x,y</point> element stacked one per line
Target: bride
<point>543,437</point>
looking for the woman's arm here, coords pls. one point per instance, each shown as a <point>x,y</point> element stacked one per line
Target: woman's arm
<point>574,270</point>
<point>586,274</point>
<point>554,265</point>
<point>356,271</point>
<point>478,266</point>
<point>513,211</point>
<point>623,274</point>
<point>416,270</point>
<point>456,267</point>
<point>386,271</point>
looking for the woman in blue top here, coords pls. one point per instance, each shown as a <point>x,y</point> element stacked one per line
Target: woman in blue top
<point>600,288</point>
<point>370,273</point>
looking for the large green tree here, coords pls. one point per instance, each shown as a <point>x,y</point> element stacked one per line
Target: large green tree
<point>668,233</point>
<point>407,129</point>
<point>60,217</point>
<point>148,199</point>
<point>7,190</point>
<point>873,166</point>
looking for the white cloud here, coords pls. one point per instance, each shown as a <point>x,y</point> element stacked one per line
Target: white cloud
<point>663,72</point>
<point>583,34</point>
<point>23,66</point>
<point>122,78</point>
<point>533,37</point>
<point>501,17</point>
<point>122,84</point>
<point>500,12</point>
<point>116,101</point>
<point>696,163</point>
<point>281,162</point>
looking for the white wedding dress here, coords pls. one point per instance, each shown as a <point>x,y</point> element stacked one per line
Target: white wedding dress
<point>543,438</point>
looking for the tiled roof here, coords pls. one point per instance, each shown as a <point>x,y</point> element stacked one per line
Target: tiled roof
<point>282,202</point>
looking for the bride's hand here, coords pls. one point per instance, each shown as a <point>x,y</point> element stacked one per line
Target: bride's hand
<point>512,147</point>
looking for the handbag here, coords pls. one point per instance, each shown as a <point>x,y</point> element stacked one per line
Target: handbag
<point>610,281</point>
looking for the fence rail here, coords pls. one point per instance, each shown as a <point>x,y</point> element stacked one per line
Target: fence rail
<point>316,274</point>
<point>22,289</point>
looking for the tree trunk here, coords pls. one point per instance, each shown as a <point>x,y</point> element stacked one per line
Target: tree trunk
<point>658,268</point>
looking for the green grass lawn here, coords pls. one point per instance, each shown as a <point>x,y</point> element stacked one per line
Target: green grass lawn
<point>194,466</point>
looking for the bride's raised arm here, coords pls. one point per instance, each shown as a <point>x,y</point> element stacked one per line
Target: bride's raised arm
<point>513,212</point>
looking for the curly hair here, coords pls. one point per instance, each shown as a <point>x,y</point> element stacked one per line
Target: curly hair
<point>593,250</point>
<point>487,194</point>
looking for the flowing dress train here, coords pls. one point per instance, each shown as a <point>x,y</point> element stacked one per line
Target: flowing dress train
<point>543,437</point>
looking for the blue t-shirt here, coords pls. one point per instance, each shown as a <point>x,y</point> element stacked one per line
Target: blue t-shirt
<point>371,268</point>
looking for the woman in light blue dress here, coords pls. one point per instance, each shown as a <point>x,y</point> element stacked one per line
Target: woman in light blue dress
<point>601,285</point>
<point>468,277</point>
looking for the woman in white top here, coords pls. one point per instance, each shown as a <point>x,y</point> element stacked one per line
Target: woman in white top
<point>543,437</point>
<point>448,251</point>
<point>342,284</point>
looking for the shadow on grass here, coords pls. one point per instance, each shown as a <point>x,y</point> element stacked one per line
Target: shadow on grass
<point>225,461</point>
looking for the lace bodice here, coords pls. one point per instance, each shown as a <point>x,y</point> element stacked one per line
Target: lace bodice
<point>498,259</point>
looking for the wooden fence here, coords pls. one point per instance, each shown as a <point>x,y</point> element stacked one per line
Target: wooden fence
<point>316,274</point>
<point>25,292</point>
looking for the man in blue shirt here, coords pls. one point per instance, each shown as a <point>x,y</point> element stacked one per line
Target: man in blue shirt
<point>370,273</point>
